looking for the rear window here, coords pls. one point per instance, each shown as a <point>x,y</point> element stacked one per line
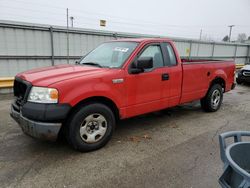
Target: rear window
<point>170,55</point>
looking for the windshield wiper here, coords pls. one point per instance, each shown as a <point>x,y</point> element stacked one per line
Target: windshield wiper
<point>92,63</point>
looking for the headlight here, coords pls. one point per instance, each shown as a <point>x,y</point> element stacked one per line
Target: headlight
<point>43,95</point>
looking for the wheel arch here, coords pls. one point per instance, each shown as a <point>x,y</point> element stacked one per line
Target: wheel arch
<point>218,80</point>
<point>97,99</point>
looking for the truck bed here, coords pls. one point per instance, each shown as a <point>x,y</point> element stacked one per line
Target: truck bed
<point>198,75</point>
<point>201,61</point>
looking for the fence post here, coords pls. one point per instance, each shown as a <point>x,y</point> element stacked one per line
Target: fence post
<point>190,49</point>
<point>235,51</point>
<point>52,46</point>
<point>213,50</point>
<point>248,55</point>
<point>115,36</point>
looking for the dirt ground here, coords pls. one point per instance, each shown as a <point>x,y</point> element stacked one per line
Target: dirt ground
<point>176,148</point>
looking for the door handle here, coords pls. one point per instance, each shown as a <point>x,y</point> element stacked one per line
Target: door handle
<point>165,76</point>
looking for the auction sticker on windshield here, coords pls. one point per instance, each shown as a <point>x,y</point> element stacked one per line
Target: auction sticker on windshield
<point>120,49</point>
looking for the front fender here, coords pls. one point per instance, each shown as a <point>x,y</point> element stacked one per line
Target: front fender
<point>74,91</point>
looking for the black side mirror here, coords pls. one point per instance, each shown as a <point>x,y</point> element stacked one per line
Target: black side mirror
<point>77,62</point>
<point>141,64</point>
<point>145,63</point>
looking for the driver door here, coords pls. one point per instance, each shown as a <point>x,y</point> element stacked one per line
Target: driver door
<point>146,90</point>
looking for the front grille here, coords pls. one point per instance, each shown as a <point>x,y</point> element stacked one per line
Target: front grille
<point>246,73</point>
<point>21,90</point>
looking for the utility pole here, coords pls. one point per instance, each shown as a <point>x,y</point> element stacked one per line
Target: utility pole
<point>72,21</point>
<point>230,32</point>
<point>200,34</point>
<point>67,35</point>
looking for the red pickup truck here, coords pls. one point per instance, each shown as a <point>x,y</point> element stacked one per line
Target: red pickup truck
<point>117,80</point>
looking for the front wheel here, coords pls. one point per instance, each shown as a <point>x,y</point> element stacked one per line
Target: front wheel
<point>91,127</point>
<point>212,101</point>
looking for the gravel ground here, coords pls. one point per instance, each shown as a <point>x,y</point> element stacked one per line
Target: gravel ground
<point>177,147</point>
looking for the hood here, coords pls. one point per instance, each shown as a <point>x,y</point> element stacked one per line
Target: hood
<point>246,67</point>
<point>49,75</point>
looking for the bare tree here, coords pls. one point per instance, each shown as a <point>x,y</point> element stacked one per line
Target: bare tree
<point>242,37</point>
<point>226,38</point>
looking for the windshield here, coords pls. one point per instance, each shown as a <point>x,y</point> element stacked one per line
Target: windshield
<point>110,54</point>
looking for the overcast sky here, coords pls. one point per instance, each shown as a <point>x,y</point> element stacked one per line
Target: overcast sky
<point>177,18</point>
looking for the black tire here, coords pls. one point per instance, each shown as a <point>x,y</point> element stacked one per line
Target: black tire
<point>77,120</point>
<point>207,103</point>
<point>239,81</point>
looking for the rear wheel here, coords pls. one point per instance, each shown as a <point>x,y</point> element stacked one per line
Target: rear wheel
<point>91,127</point>
<point>238,81</point>
<point>212,101</point>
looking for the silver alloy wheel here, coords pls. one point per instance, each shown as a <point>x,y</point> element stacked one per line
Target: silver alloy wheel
<point>215,99</point>
<point>93,128</point>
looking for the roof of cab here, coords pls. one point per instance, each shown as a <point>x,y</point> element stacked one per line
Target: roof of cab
<point>143,39</point>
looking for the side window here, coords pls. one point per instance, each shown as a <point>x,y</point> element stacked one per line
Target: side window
<point>170,55</point>
<point>154,51</point>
